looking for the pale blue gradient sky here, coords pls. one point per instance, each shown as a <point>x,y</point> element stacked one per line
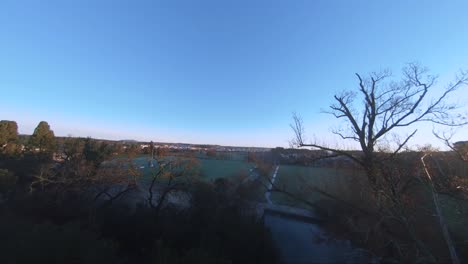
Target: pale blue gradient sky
<point>220,72</point>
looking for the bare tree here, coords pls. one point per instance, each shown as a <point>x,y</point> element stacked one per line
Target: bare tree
<point>459,148</point>
<point>438,211</point>
<point>103,182</point>
<point>381,106</point>
<point>168,176</point>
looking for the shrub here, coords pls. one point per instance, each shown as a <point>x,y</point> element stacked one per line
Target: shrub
<point>7,181</point>
<point>25,242</point>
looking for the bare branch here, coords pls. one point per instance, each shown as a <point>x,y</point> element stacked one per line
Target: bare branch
<point>401,145</point>
<point>383,109</point>
<point>461,152</point>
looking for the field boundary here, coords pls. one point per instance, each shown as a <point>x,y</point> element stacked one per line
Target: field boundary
<point>270,186</point>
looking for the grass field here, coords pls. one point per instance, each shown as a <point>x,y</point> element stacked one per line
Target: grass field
<point>210,169</point>
<point>300,180</point>
<point>226,155</point>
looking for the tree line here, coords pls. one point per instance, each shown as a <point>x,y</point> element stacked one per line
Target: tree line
<point>72,200</point>
<point>42,140</point>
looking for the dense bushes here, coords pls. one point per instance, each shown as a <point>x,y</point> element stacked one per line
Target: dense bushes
<point>53,225</point>
<point>27,242</point>
<point>7,181</point>
<point>212,230</point>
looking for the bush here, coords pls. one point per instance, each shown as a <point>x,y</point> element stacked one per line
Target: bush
<point>7,181</point>
<point>25,242</point>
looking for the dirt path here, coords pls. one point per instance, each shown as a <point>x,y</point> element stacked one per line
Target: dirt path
<point>270,186</point>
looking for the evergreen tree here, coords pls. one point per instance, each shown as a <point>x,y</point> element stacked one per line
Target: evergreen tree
<point>95,151</point>
<point>8,136</point>
<point>43,138</point>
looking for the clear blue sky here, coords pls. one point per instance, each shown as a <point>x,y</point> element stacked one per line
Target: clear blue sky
<point>220,72</point>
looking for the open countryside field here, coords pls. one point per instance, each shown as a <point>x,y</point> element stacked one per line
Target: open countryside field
<point>300,180</point>
<point>210,169</point>
<point>226,155</point>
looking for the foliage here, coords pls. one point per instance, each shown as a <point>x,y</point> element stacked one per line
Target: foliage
<point>7,180</point>
<point>43,139</point>
<point>212,230</point>
<point>82,176</point>
<point>74,209</point>
<point>72,148</point>
<point>132,151</point>
<point>96,152</point>
<point>8,137</point>
<point>26,242</point>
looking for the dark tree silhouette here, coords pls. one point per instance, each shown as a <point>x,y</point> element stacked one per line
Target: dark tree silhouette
<point>381,106</point>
